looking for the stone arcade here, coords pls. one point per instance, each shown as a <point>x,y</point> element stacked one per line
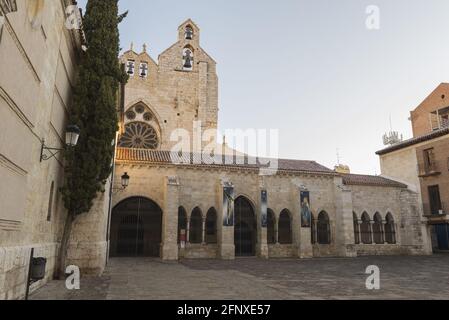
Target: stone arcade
<point>176,207</point>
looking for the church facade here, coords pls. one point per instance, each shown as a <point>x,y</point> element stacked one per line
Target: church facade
<point>178,205</point>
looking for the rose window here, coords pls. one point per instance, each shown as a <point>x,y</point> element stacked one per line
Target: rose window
<point>140,136</point>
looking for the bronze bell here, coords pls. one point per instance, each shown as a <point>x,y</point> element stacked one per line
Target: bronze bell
<point>188,60</point>
<point>189,33</point>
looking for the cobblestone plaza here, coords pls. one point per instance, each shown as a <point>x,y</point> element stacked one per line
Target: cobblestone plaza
<point>257,279</point>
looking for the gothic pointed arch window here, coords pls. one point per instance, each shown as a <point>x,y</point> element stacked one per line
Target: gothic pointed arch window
<point>378,229</point>
<point>323,228</point>
<point>142,130</point>
<point>188,58</point>
<point>196,226</point>
<point>365,229</point>
<point>211,226</point>
<point>285,228</point>
<point>139,135</point>
<point>390,229</point>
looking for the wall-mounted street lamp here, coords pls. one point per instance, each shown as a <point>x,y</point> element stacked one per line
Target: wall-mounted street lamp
<point>71,140</point>
<point>125,183</point>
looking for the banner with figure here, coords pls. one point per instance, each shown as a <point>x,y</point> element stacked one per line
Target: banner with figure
<point>228,205</point>
<point>306,215</point>
<point>264,208</point>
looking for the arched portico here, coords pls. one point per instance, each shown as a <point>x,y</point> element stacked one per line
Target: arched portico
<point>245,229</point>
<point>136,228</point>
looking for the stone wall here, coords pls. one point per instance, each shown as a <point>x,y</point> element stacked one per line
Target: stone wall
<point>200,188</point>
<point>199,251</point>
<point>177,98</point>
<point>282,251</point>
<point>37,63</point>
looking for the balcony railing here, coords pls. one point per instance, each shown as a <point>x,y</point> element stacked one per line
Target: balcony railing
<point>428,212</point>
<point>439,119</point>
<point>429,169</point>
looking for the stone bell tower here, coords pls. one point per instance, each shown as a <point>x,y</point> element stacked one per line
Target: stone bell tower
<point>179,91</point>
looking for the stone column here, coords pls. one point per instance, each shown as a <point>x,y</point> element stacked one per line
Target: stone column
<point>226,246</point>
<point>371,224</point>
<point>344,225</point>
<point>262,232</point>
<point>204,232</point>
<point>315,230</point>
<point>276,230</point>
<point>188,231</point>
<point>170,220</point>
<point>382,231</point>
<point>301,236</point>
<point>359,230</point>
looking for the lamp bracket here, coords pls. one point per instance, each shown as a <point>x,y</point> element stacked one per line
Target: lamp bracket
<point>53,152</point>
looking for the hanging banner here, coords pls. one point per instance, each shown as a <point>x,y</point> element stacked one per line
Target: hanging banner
<point>228,206</point>
<point>306,215</point>
<point>264,208</point>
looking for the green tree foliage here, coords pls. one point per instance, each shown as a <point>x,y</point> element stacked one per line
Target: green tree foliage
<point>94,107</point>
<point>89,165</point>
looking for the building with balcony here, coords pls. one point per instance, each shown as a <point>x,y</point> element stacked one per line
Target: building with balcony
<point>422,162</point>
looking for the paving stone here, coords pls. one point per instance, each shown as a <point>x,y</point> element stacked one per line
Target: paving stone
<point>256,279</point>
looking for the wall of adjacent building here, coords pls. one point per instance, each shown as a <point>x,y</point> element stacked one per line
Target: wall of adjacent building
<point>420,117</point>
<point>441,179</point>
<point>402,166</point>
<point>37,63</point>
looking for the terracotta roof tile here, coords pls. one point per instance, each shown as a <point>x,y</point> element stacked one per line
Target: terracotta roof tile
<point>194,159</point>
<point>367,180</point>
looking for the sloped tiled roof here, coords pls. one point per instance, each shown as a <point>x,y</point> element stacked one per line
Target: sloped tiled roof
<point>367,180</point>
<point>192,159</point>
<point>413,141</point>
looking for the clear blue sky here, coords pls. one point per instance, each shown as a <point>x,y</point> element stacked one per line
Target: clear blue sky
<point>311,68</point>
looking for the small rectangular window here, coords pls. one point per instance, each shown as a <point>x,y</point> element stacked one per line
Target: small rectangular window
<point>429,158</point>
<point>435,199</point>
<point>50,201</point>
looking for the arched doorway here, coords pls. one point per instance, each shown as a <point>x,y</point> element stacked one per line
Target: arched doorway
<point>136,228</point>
<point>245,228</point>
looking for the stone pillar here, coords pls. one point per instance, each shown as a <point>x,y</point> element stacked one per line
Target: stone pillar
<point>360,231</point>
<point>226,246</point>
<point>344,225</point>
<point>382,231</point>
<point>276,231</point>
<point>301,236</point>
<point>262,232</point>
<point>204,232</point>
<point>262,245</point>
<point>170,220</point>
<point>188,231</point>
<point>371,224</point>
